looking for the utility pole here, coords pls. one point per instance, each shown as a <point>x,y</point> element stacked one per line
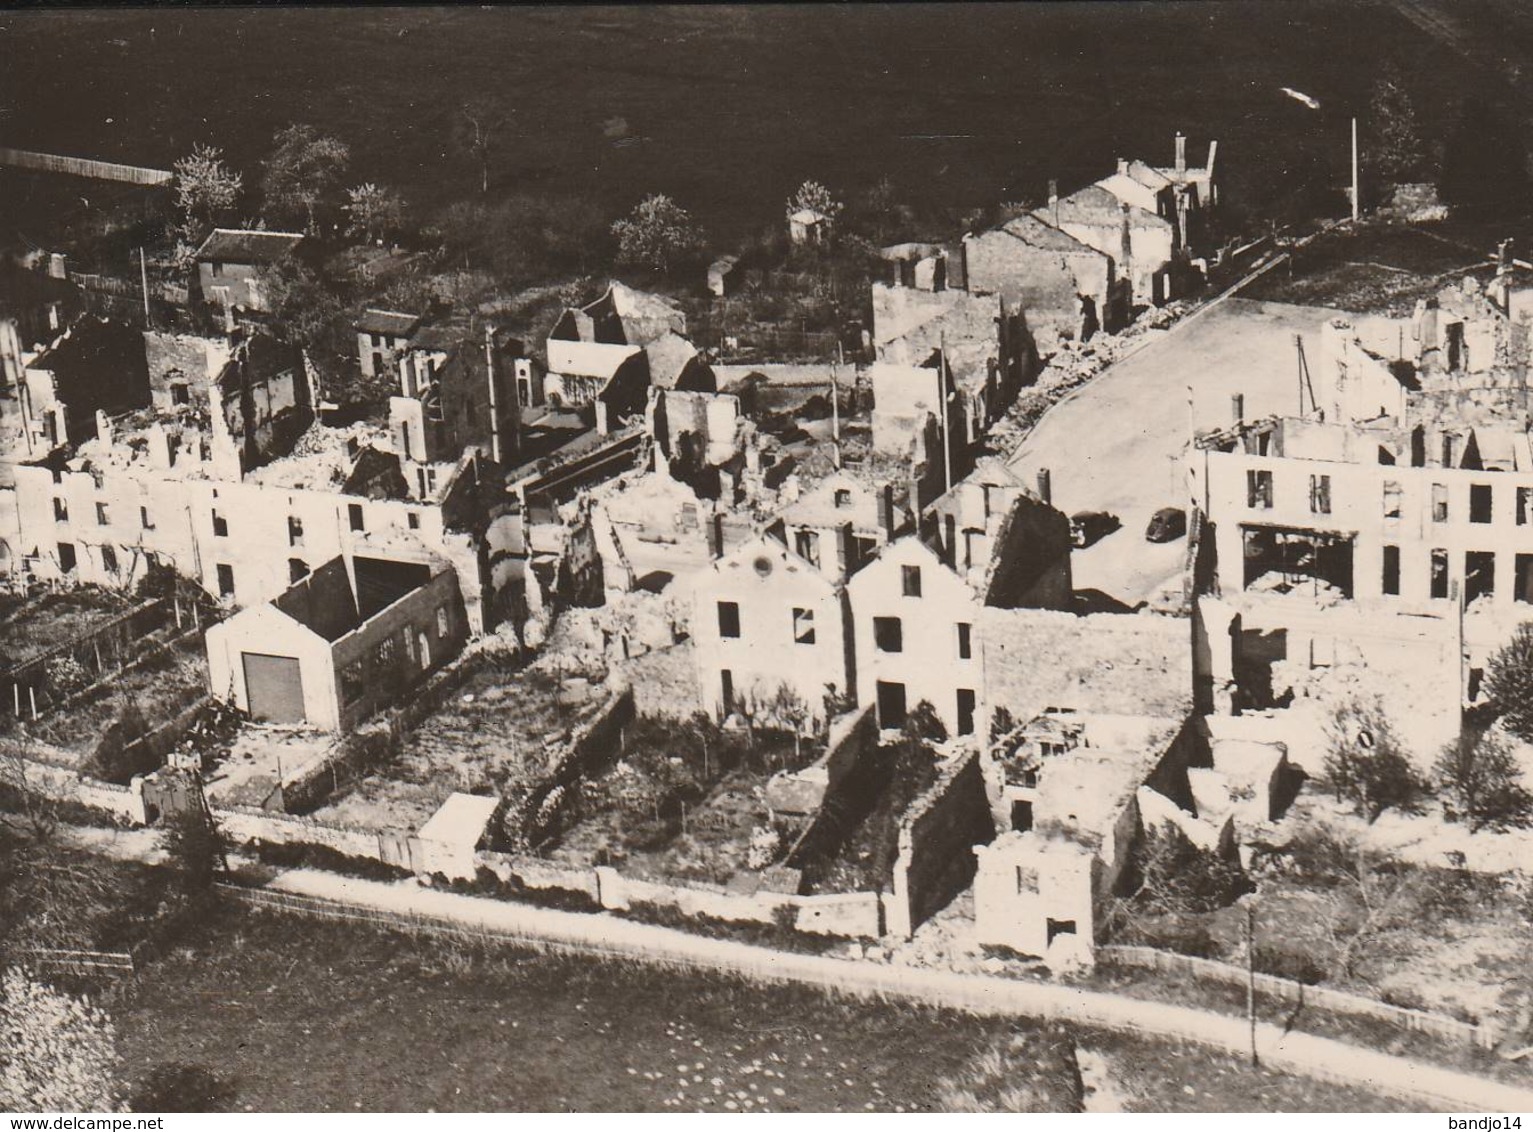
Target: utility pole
<point>1251,975</point>
<point>1356,202</point>
<point>835,407</point>
<point>143,277</point>
<point>947,451</point>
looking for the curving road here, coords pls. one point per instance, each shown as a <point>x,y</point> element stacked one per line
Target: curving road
<point>1116,444</point>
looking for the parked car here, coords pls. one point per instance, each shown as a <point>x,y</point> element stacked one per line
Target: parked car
<point>1086,527</point>
<point>1166,524</point>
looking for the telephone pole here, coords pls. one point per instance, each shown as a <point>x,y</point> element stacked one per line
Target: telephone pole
<point>1356,202</point>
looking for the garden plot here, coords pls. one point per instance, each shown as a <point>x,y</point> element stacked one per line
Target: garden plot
<point>29,626</point>
<point>686,802</point>
<point>504,731</point>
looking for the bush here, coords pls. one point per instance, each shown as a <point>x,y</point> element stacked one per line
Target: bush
<point>1279,961</point>
<point>195,847</point>
<point>1509,683</point>
<point>118,756</point>
<point>305,855</point>
<point>486,883</point>
<point>1481,781</point>
<point>779,933</point>
<point>1364,762</point>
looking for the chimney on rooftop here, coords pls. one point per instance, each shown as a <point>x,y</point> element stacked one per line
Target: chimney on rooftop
<point>1237,407</point>
<point>1045,488</point>
<point>886,510</point>
<point>1123,166</point>
<point>1181,152</point>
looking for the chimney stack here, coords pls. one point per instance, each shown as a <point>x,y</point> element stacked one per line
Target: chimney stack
<point>886,510</point>
<point>1045,488</point>
<point>1181,152</point>
<point>1123,167</point>
<point>1237,407</point>
<point>1054,200</point>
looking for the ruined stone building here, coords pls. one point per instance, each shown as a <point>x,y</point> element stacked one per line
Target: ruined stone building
<point>96,366</point>
<point>382,335</point>
<point>340,643</point>
<point>1141,242</point>
<point>455,396</point>
<point>918,620</point>
<point>765,620</point>
<point>1068,288</point>
<point>596,353</point>
<point>235,264</point>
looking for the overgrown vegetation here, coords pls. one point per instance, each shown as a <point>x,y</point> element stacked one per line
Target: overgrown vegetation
<point>1365,763</point>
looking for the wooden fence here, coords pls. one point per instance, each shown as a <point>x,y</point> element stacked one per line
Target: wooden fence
<point>1301,994</point>
<point>101,652</point>
<point>116,963</point>
<point>83,167</point>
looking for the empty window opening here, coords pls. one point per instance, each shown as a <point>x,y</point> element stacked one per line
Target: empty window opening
<point>1259,490</point>
<point>1479,574</point>
<point>803,626</point>
<point>729,619</point>
<point>1391,578</point>
<point>1391,499</point>
<point>888,634</point>
<point>1481,502</point>
<point>1320,495</point>
<point>1439,573</point>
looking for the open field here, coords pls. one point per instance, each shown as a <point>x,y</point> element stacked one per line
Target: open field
<point>729,106</point>
<point>336,1018</point>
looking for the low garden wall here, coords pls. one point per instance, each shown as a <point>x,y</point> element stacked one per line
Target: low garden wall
<point>242,825</point>
<point>65,784</point>
<point>1321,998</point>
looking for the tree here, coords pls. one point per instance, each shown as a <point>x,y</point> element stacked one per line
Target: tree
<point>195,846</point>
<point>1509,683</point>
<point>1177,876</point>
<point>58,1054</point>
<point>206,189</point>
<point>1397,153</point>
<point>303,174</point>
<point>1484,166</point>
<point>815,197</point>
<point>480,124</point>
<point>1364,762</point>
<point>659,234</point>
<point>1481,781</point>
<point>376,212</point>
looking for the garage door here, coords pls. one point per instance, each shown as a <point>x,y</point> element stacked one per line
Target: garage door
<point>274,687</point>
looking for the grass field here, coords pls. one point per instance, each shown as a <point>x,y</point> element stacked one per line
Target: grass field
<point>727,106</point>
<point>302,1016</point>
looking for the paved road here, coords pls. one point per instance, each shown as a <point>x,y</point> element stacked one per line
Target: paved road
<point>1117,444</point>
<point>1305,1054</point>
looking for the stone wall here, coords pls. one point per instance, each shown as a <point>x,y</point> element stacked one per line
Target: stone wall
<point>242,825</point>
<point>664,682</point>
<point>1125,664</point>
<point>936,845</point>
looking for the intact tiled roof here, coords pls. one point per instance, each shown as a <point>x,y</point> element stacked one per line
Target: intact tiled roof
<point>1094,205</point>
<point>1039,233</point>
<point>239,245</point>
<point>395,323</point>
